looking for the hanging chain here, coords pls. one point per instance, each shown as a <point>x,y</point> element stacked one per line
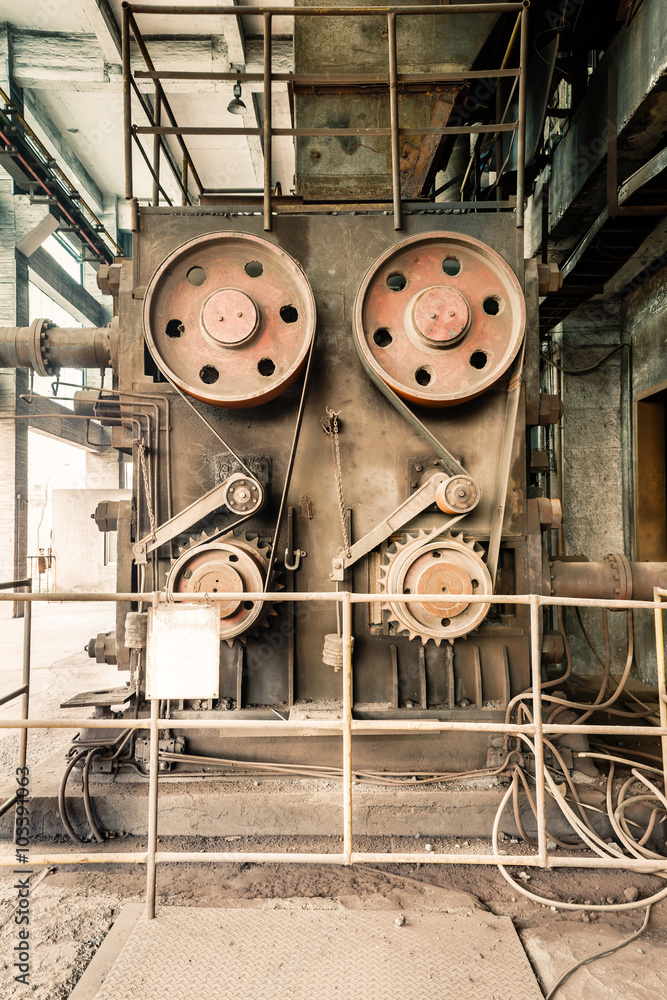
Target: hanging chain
<point>335,452</point>
<point>141,448</point>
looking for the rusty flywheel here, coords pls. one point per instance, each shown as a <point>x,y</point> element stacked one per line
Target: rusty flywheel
<point>443,564</point>
<point>439,317</point>
<point>229,318</point>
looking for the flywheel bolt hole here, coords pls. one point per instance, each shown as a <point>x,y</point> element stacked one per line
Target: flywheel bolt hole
<point>175,328</point>
<point>209,374</point>
<point>289,314</point>
<point>254,269</point>
<point>382,337</point>
<point>451,266</point>
<point>233,558</point>
<point>492,305</point>
<point>248,605</point>
<point>266,367</point>
<point>478,360</point>
<point>424,375</point>
<point>196,276</point>
<point>397,281</point>
<point>445,622</point>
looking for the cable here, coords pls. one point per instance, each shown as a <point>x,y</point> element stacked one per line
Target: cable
<point>559,904</point>
<point>600,954</point>
<point>582,371</point>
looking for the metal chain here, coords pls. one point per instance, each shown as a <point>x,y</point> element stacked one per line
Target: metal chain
<point>335,452</point>
<point>141,448</point>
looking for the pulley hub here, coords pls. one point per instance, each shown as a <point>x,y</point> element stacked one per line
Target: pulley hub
<point>229,316</point>
<point>440,315</point>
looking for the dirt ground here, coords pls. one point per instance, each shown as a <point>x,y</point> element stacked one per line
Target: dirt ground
<point>73,908</point>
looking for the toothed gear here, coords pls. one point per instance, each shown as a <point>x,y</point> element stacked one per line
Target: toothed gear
<point>433,565</point>
<point>228,565</point>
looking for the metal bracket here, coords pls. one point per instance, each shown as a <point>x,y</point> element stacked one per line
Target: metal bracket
<point>299,554</point>
<point>418,502</point>
<point>239,493</point>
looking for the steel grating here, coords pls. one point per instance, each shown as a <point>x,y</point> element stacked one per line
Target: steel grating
<point>303,953</point>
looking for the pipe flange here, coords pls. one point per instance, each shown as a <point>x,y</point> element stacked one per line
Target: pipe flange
<point>622,575</point>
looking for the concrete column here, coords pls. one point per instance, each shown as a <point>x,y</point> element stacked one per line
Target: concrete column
<point>102,470</point>
<point>13,433</point>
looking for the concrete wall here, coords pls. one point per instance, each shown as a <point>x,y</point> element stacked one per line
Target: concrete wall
<point>644,319</point>
<point>77,544</point>
<point>596,516</point>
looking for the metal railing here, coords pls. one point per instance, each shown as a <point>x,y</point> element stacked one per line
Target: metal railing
<point>22,692</point>
<point>393,79</point>
<point>532,733</point>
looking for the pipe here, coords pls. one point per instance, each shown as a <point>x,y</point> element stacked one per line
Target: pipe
<point>616,578</point>
<point>393,117</point>
<point>127,98</point>
<point>46,348</point>
<point>267,122</point>
<point>203,9</point>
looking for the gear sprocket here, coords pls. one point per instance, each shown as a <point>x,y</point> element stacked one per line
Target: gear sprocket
<point>427,564</point>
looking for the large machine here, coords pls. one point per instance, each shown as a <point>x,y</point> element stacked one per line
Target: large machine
<point>329,405</point>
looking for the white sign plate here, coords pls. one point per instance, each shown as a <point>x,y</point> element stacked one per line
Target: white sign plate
<point>183,651</point>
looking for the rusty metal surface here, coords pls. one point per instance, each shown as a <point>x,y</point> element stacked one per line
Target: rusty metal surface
<point>440,318</point>
<point>229,318</point>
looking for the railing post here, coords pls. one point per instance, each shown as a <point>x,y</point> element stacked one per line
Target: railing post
<point>152,810</point>
<point>157,143</point>
<point>347,727</point>
<point>127,98</point>
<point>393,120</point>
<point>267,122</point>
<point>536,680</point>
<point>521,136</point>
<point>184,181</point>
<point>662,678</point>
<point>25,680</point>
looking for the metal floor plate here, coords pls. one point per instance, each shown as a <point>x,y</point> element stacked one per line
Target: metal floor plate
<point>301,953</point>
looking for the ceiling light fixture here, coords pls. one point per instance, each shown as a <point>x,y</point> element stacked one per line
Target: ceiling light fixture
<point>236,105</point>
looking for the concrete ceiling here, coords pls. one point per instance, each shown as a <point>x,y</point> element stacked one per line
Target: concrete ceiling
<point>65,57</point>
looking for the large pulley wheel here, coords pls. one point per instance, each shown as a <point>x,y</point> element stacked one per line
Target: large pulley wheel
<point>229,318</point>
<point>436,566</point>
<point>227,566</point>
<point>439,318</point>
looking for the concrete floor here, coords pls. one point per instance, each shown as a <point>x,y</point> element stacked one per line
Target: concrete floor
<point>60,667</point>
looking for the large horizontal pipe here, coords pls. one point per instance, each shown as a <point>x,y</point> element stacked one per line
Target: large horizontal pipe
<point>46,348</point>
<point>615,578</point>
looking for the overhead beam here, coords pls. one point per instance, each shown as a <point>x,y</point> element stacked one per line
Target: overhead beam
<point>105,26</point>
<point>41,121</point>
<point>34,239</point>
<point>50,417</point>
<point>56,282</point>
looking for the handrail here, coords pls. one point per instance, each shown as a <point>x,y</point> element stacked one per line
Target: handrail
<point>533,732</point>
<point>392,79</point>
